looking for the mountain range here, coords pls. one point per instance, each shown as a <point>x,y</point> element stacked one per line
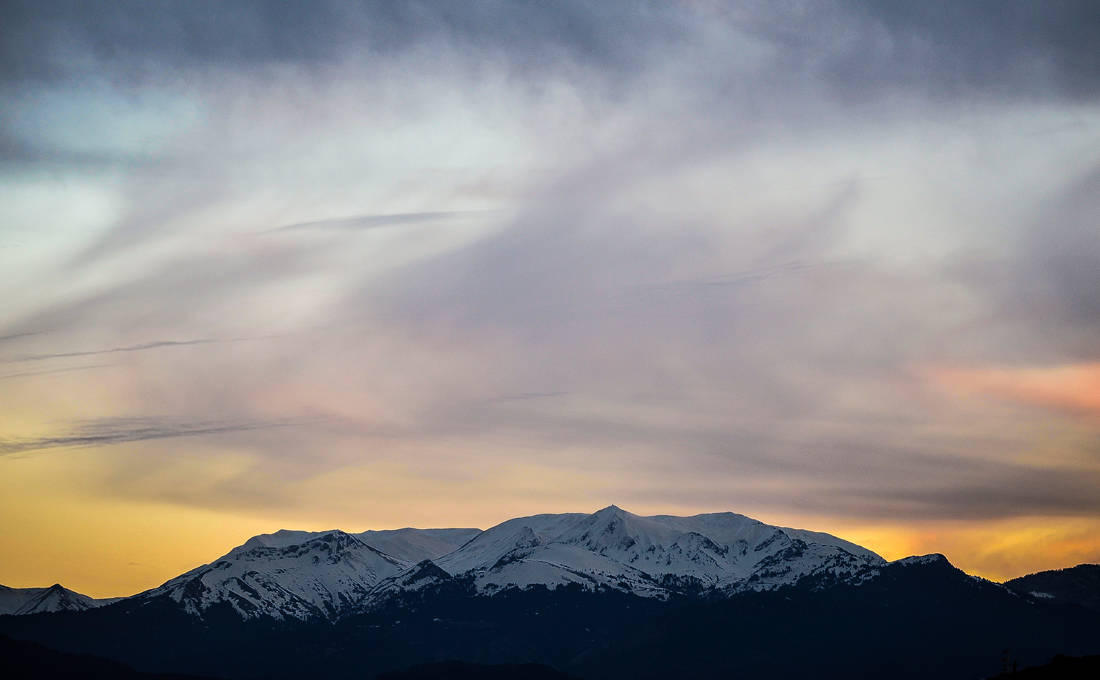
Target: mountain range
<point>607,594</point>
<point>330,574</point>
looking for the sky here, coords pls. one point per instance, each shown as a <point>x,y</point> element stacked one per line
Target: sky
<point>833,265</point>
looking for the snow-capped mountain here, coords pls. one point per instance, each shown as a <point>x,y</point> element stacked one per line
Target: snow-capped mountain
<point>55,598</point>
<point>651,556</point>
<point>916,608</point>
<point>306,575</point>
<point>408,544</point>
<point>275,576</point>
<point>608,594</point>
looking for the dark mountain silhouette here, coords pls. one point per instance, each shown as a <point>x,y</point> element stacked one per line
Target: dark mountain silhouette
<point>915,618</point>
<point>1077,585</point>
<point>21,660</point>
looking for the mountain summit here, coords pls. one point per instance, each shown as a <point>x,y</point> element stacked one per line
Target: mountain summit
<point>329,574</point>
<point>651,556</point>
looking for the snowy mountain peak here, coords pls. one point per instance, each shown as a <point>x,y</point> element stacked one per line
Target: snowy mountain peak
<point>326,574</point>
<point>281,538</point>
<point>615,531</point>
<point>310,574</point>
<point>615,548</point>
<point>55,598</point>
<point>329,546</point>
<point>923,560</point>
<point>320,576</point>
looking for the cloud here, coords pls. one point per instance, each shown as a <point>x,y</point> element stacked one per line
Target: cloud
<point>1038,276</point>
<point>524,396</point>
<point>987,45</point>
<point>721,237</point>
<point>1073,388</point>
<point>315,33</point>
<point>377,221</point>
<point>158,344</point>
<point>17,336</point>
<point>1007,48</point>
<point>26,374</point>
<point>110,431</point>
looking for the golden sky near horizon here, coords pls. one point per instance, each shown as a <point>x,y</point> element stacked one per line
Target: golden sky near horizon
<point>107,547</point>
<point>110,549</point>
<point>403,270</point>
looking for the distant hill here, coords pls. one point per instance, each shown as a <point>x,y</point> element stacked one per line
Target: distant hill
<point>1078,585</point>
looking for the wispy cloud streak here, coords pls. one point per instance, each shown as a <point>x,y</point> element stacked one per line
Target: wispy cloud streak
<point>111,431</point>
<point>114,350</point>
<point>361,222</point>
<point>52,371</point>
<point>17,336</point>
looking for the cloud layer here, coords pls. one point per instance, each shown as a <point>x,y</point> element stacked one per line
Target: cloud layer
<point>827,260</point>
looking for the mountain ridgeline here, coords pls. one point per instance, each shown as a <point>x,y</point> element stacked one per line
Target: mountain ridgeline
<point>1078,585</point>
<point>331,574</point>
<point>56,598</point>
<point>603,595</point>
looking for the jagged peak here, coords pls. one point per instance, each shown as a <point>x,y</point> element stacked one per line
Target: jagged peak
<point>280,538</point>
<point>337,543</point>
<point>288,538</point>
<point>724,515</point>
<point>920,560</point>
<point>331,535</point>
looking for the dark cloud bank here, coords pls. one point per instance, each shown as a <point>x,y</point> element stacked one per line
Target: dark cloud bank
<point>1003,46</point>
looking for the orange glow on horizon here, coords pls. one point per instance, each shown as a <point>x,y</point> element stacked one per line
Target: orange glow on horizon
<point>107,548</point>
<point>72,517</point>
<point>995,550</point>
<point>1073,388</point>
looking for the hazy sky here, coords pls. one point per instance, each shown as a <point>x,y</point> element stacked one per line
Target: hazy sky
<point>369,265</point>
